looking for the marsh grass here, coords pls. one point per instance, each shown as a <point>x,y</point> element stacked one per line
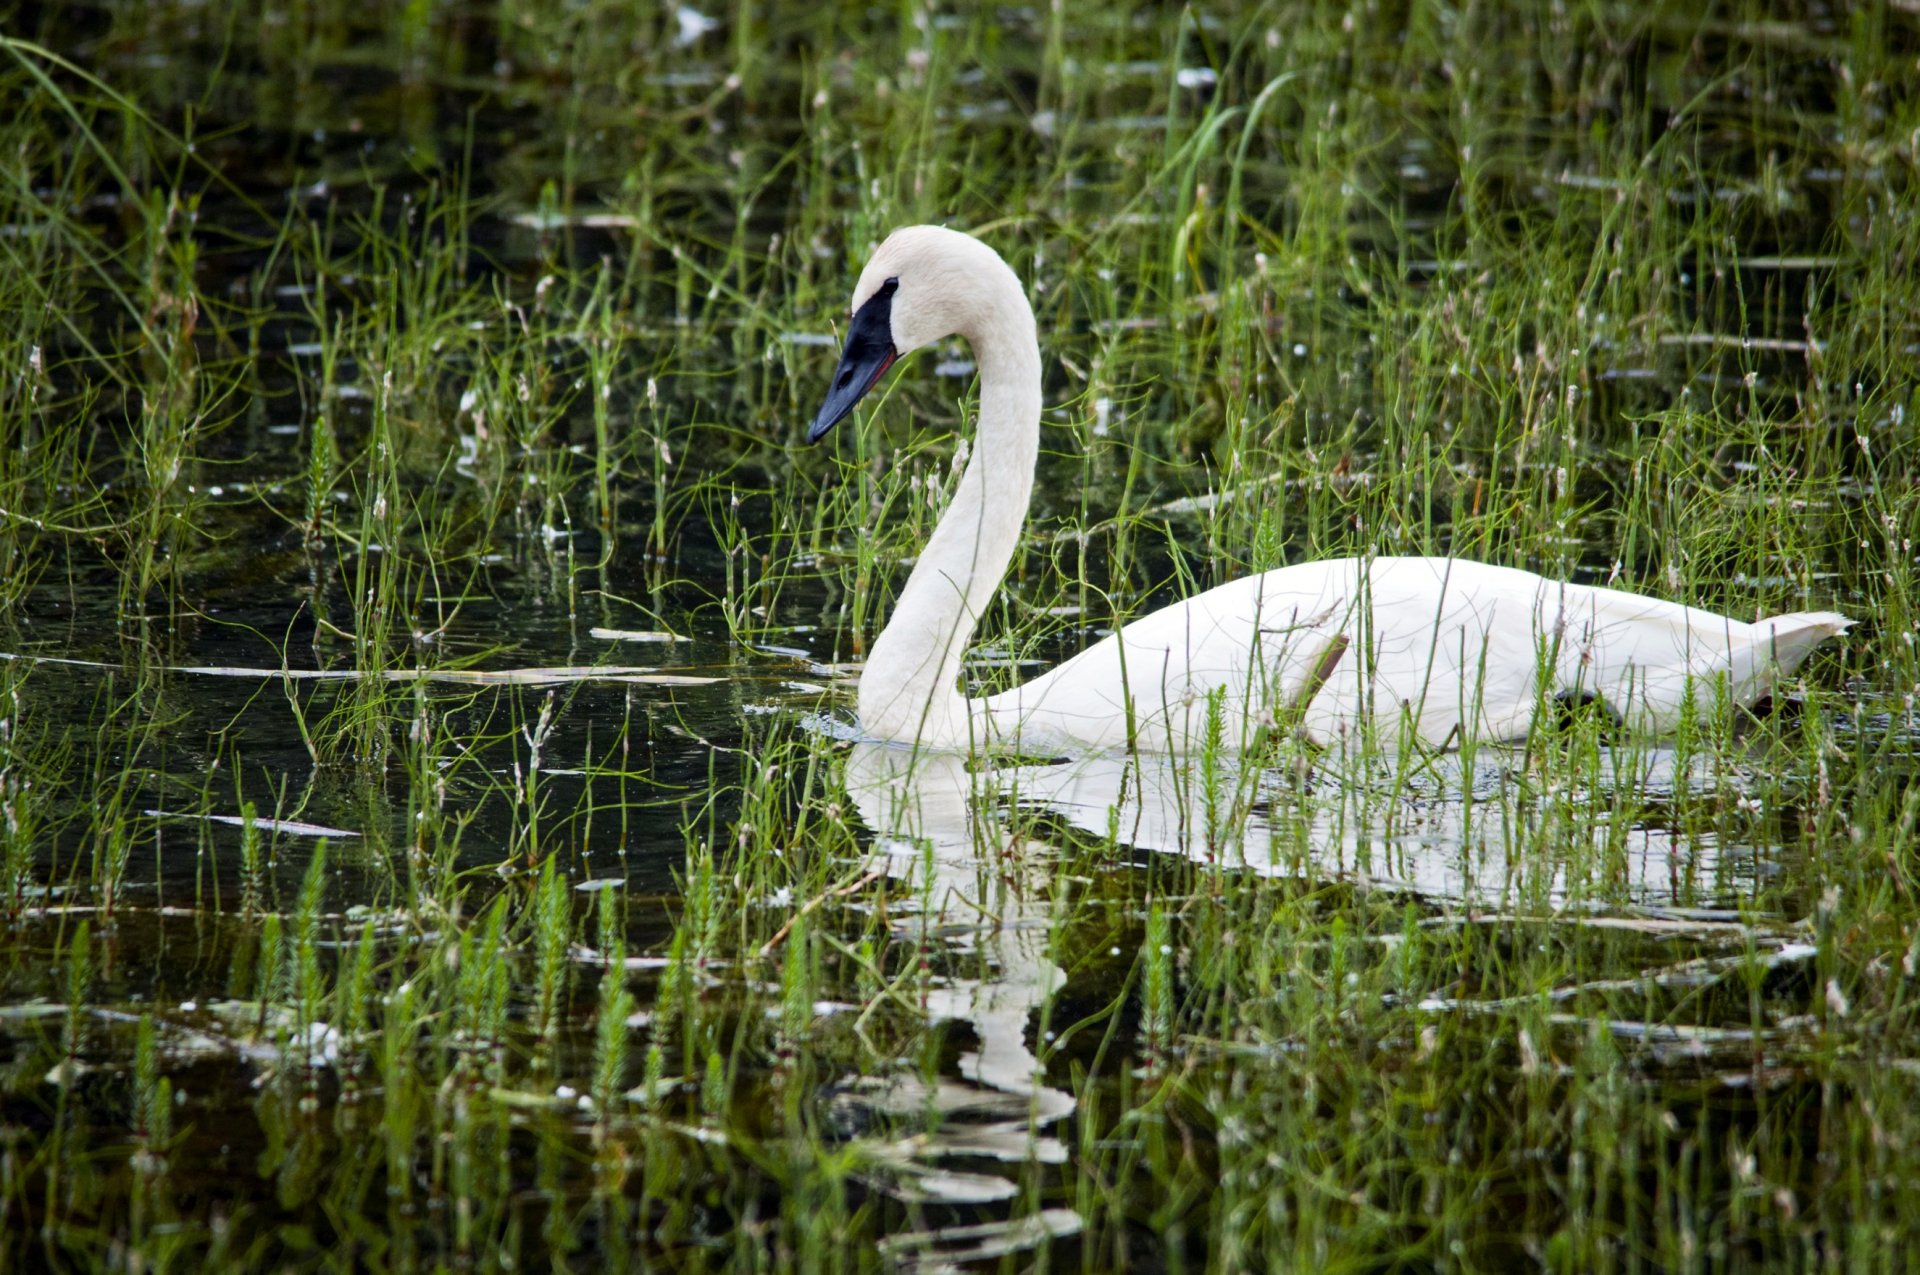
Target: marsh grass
<point>367,908</point>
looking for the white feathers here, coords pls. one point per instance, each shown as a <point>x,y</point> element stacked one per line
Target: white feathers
<point>1350,648</point>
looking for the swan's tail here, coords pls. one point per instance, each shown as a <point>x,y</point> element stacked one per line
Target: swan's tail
<point>1788,639</point>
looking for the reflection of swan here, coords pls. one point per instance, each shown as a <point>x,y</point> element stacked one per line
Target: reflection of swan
<point>934,822</point>
<point>1439,646</point>
<point>1464,833</point>
<point>1459,832</point>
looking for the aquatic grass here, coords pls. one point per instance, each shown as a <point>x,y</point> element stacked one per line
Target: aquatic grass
<point>1616,294</point>
<point>153,1130</point>
<point>552,921</point>
<point>611,1046</point>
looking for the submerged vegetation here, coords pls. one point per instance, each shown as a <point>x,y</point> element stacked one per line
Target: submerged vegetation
<point>430,834</point>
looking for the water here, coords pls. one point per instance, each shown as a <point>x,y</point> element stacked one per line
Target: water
<point>429,490</point>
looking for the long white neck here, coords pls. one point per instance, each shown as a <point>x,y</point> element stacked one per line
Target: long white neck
<point>909,689</point>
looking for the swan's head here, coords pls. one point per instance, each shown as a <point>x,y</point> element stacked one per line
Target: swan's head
<point>923,284</point>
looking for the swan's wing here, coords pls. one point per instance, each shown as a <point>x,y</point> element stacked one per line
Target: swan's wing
<point>1789,639</point>
<point>1241,655</point>
<point>1339,647</point>
<point>1438,647</point>
<point>1646,658</point>
<point>1443,645</point>
<point>1642,657</point>
<point>1390,648</point>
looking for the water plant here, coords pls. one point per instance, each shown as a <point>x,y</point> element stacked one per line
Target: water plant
<point>429,832</point>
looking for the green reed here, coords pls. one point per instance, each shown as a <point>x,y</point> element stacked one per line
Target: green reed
<point>1614,294</point>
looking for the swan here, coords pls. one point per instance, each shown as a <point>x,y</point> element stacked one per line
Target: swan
<point>1346,650</point>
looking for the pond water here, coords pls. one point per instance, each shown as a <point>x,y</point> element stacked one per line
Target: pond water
<point>436,832</point>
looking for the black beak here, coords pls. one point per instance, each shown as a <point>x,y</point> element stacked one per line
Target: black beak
<point>868,354</point>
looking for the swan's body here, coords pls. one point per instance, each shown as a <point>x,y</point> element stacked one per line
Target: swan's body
<point>1439,647</point>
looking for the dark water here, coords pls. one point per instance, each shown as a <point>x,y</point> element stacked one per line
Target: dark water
<point>1607,1008</point>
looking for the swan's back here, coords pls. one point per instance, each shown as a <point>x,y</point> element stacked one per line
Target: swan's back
<point>1437,646</point>
<point>1387,648</point>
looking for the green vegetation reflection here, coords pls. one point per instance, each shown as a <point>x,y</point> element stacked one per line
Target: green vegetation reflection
<point>431,832</point>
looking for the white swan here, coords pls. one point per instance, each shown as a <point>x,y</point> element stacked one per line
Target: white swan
<point>1354,647</point>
